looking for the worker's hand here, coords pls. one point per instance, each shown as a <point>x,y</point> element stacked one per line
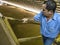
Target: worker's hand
<point>25,20</point>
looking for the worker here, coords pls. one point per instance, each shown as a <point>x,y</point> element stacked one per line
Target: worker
<point>49,21</point>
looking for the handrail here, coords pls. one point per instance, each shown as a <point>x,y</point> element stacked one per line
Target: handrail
<point>28,38</point>
<point>10,30</point>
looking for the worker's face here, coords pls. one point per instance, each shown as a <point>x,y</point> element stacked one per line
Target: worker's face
<point>46,12</point>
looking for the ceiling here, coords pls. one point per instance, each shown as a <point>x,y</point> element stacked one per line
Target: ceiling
<point>34,4</point>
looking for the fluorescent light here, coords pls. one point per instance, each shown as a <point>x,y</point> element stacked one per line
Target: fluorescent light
<point>21,6</point>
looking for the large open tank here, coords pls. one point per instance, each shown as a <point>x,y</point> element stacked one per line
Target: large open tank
<point>28,32</point>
